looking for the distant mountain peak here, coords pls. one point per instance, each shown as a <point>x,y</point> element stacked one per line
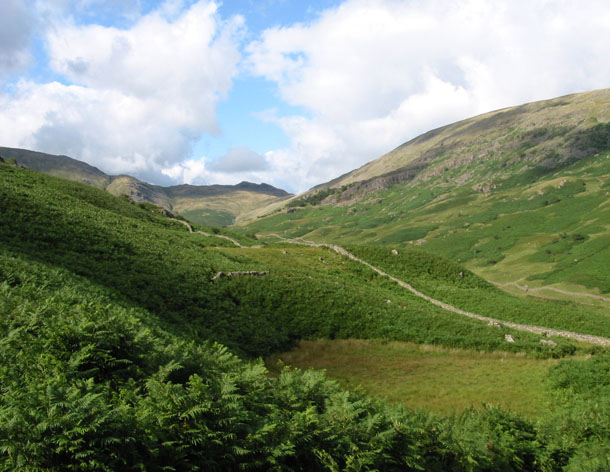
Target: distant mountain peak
<point>205,204</point>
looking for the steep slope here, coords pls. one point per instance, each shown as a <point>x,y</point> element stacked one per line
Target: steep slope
<point>217,205</point>
<point>542,135</point>
<point>60,166</point>
<point>518,195</point>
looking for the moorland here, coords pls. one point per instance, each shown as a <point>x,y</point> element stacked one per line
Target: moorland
<point>133,339</point>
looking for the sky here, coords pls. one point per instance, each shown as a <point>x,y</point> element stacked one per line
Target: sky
<point>286,92</point>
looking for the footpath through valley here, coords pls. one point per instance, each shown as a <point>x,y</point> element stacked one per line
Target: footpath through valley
<point>587,338</point>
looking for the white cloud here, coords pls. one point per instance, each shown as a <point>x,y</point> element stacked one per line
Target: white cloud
<point>240,159</point>
<point>239,164</point>
<point>16,26</point>
<point>372,74</point>
<point>368,75</point>
<point>140,96</point>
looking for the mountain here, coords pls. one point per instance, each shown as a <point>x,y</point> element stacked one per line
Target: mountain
<point>216,205</point>
<point>519,195</point>
<point>111,315</point>
<point>544,136</point>
<point>60,166</point>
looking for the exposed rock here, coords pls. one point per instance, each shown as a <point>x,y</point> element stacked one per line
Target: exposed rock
<point>395,252</point>
<point>165,212</point>
<point>548,342</point>
<point>508,338</point>
<point>495,324</point>
<point>255,273</point>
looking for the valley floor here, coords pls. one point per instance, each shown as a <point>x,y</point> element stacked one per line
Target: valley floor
<point>420,376</point>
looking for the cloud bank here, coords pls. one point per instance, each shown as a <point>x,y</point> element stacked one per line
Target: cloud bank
<point>16,25</point>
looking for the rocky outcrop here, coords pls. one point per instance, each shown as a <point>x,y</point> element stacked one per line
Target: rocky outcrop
<point>255,273</point>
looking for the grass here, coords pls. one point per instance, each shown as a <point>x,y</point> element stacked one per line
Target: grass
<point>514,194</point>
<point>209,217</point>
<point>552,232</point>
<point>419,376</point>
<point>157,264</point>
<point>109,314</point>
<point>442,280</point>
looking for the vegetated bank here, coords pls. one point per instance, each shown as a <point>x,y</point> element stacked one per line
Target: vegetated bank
<point>109,317</point>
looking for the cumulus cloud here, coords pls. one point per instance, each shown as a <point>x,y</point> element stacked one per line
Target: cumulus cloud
<point>372,74</point>
<point>240,159</point>
<point>237,165</point>
<point>139,97</point>
<point>364,76</point>
<point>16,25</point>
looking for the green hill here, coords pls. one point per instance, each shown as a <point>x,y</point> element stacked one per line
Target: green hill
<point>110,315</point>
<point>216,205</point>
<point>518,195</point>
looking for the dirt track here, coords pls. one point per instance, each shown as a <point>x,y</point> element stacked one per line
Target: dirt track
<point>588,338</point>
<point>525,288</point>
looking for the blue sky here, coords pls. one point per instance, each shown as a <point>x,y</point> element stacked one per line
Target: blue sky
<point>291,93</point>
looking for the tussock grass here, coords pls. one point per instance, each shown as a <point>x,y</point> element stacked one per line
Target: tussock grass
<point>424,376</point>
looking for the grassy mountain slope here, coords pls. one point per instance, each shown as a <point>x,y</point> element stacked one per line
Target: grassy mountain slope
<point>517,195</point>
<point>221,205</point>
<point>109,311</point>
<point>60,166</point>
<point>157,264</point>
<point>216,205</point>
<point>539,135</point>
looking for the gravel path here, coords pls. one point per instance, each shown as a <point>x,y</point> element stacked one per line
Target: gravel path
<point>525,288</point>
<point>587,338</point>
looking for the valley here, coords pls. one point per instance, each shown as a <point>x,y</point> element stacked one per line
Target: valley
<point>442,380</point>
<point>496,202</point>
<point>462,316</point>
<point>212,205</point>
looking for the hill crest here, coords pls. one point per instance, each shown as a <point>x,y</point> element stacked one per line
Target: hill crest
<point>217,205</point>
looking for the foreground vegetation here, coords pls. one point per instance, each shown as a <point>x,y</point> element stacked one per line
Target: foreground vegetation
<point>109,330</point>
<point>90,382</point>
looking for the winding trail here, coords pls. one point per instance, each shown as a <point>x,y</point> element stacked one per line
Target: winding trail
<point>525,288</point>
<point>210,235</point>
<point>587,338</point>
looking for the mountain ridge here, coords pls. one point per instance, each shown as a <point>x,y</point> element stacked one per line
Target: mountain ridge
<point>197,200</point>
<point>581,115</point>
